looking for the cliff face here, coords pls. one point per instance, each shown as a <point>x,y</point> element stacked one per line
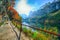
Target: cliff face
<point>46,9</point>
<point>44,16</point>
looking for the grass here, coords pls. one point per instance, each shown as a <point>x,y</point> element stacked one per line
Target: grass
<point>39,35</point>
<point>1,23</point>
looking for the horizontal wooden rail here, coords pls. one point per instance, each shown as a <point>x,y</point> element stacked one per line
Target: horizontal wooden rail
<point>39,29</point>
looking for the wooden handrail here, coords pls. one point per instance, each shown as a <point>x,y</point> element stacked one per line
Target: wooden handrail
<point>39,29</point>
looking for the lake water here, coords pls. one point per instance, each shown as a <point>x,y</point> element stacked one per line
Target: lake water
<point>27,26</point>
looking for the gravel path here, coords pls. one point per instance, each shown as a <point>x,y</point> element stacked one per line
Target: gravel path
<point>7,33</point>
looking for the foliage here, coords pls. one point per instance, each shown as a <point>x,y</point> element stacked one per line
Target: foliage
<point>1,23</point>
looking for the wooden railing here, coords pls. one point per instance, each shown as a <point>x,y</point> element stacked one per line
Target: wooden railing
<point>39,29</point>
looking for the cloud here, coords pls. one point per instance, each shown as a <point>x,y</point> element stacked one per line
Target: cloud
<point>23,8</point>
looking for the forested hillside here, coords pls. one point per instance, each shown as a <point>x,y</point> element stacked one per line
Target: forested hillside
<point>50,22</point>
<point>47,18</point>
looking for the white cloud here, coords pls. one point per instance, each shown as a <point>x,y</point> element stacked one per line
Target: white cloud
<point>23,8</point>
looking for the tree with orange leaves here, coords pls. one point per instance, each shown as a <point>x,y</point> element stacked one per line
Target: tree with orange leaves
<point>15,13</point>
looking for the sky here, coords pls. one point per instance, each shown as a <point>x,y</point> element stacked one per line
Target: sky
<point>26,6</point>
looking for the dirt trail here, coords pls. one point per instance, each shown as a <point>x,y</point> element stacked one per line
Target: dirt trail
<point>6,33</point>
